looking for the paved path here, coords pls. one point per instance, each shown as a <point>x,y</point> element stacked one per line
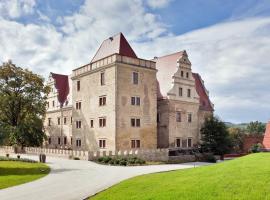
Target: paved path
<point>77,179</point>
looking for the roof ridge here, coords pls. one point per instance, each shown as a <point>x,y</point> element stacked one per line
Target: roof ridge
<point>171,54</point>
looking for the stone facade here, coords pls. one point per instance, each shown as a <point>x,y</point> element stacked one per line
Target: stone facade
<point>117,102</point>
<point>179,109</point>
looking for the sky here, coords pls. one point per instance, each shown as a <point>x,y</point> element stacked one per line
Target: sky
<point>228,42</point>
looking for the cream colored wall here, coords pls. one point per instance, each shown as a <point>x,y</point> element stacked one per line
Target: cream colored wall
<point>89,94</point>
<point>147,111</point>
<point>63,130</point>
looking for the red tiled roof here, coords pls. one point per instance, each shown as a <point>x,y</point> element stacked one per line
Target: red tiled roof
<point>205,103</point>
<point>266,139</point>
<point>115,44</point>
<point>62,86</point>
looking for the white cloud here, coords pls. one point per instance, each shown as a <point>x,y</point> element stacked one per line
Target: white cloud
<point>232,57</point>
<point>16,8</point>
<point>158,3</point>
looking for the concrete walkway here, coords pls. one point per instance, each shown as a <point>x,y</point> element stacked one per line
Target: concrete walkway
<point>77,179</point>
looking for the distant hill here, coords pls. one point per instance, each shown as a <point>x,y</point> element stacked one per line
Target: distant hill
<point>241,125</point>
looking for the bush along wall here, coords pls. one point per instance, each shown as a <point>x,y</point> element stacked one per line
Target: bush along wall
<point>123,161</point>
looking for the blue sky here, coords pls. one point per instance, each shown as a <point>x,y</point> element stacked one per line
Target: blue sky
<point>227,41</point>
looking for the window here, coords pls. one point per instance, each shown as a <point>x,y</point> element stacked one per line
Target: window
<point>180,91</point>
<point>59,140</point>
<point>184,143</point>
<point>135,78</point>
<point>92,123</point>
<point>102,122</point>
<point>78,85</point>
<point>135,144</point>
<point>49,140</point>
<point>182,74</point>
<point>102,101</point>
<point>178,116</point>
<point>65,120</point>
<point>65,140</point>
<point>78,143</point>
<point>135,101</point>
<point>48,104</point>
<point>78,124</point>
<point>158,117</point>
<point>178,142</point>
<point>189,117</point>
<point>187,75</point>
<point>102,78</point>
<point>59,120</point>
<point>102,144</point>
<point>189,93</point>
<point>189,142</point>
<point>71,140</point>
<point>135,122</point>
<point>71,120</point>
<point>78,105</point>
<point>49,121</point>
<point>52,103</point>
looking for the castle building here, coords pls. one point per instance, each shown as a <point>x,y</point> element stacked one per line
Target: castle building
<point>121,102</point>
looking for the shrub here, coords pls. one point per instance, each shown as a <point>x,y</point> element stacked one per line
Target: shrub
<point>123,161</point>
<point>206,157</point>
<point>255,148</point>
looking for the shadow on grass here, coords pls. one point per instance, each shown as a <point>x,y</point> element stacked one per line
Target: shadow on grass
<point>23,171</point>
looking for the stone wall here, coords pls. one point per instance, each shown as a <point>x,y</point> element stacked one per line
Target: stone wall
<point>146,90</point>
<point>250,140</point>
<point>148,155</point>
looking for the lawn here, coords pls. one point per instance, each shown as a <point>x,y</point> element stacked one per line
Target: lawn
<point>15,172</point>
<point>246,178</point>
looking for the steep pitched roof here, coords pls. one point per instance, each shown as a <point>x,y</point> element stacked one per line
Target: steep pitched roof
<point>205,103</point>
<point>115,44</point>
<point>266,139</point>
<point>62,86</point>
<point>166,66</point>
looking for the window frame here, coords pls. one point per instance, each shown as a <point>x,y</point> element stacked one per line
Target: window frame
<point>134,80</point>
<point>102,78</point>
<point>78,85</point>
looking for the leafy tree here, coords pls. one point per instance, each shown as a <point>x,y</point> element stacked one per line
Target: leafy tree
<point>215,137</point>
<point>237,139</point>
<point>22,105</point>
<point>256,128</point>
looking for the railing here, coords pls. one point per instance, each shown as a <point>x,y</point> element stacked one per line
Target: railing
<point>149,155</point>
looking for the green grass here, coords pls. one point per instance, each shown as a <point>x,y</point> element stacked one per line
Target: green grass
<point>15,173</point>
<point>246,178</point>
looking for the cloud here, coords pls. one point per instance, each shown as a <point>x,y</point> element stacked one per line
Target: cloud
<point>232,58</point>
<point>44,47</point>
<point>16,8</point>
<point>154,4</point>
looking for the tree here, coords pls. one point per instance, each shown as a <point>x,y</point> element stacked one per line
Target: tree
<point>255,128</point>
<point>237,139</point>
<point>215,137</point>
<point>23,97</point>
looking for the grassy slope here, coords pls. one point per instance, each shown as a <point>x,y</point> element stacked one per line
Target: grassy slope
<point>244,178</point>
<point>15,173</point>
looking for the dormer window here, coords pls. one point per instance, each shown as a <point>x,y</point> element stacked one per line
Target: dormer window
<point>189,93</point>
<point>182,74</point>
